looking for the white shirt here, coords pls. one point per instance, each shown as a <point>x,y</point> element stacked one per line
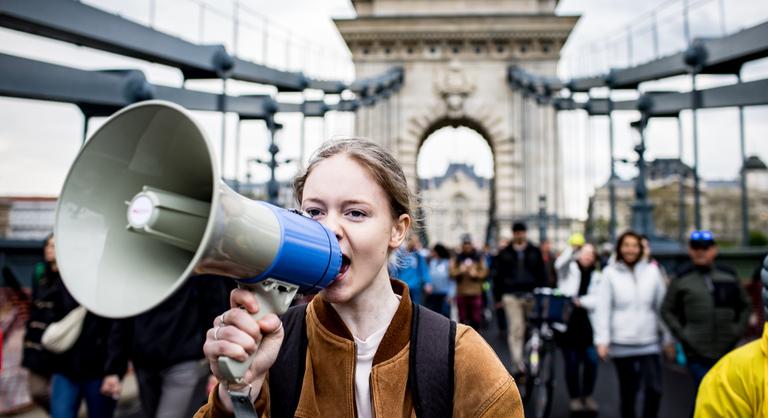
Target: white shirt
<point>366,349</point>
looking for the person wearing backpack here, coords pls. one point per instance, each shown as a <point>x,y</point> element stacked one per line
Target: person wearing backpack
<point>368,346</point>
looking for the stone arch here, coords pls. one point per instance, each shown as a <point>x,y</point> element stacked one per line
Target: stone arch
<point>489,125</point>
<point>419,127</point>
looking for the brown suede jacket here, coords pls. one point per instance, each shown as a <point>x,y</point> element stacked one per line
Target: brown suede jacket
<point>483,387</point>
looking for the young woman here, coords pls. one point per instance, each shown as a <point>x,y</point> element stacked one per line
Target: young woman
<point>627,324</point>
<point>358,329</point>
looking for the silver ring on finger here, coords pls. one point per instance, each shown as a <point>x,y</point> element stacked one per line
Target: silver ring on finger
<point>224,318</point>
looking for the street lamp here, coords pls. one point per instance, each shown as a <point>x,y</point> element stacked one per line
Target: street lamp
<point>273,188</point>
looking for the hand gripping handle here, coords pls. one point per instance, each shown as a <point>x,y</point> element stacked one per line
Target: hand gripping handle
<point>273,296</point>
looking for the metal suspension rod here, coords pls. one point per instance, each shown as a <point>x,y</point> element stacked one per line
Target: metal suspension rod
<point>302,142</point>
<point>237,156</point>
<point>612,178</point>
<point>696,180</point>
<point>743,177</point>
<point>682,223</point>
<point>524,139</point>
<point>223,107</point>
<point>86,122</point>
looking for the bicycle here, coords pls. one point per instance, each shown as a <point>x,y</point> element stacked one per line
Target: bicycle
<point>548,311</point>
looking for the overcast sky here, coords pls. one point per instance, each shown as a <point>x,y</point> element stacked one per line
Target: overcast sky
<point>39,140</point>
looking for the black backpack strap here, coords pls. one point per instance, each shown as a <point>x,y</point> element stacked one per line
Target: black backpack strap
<point>431,358</point>
<point>286,381</point>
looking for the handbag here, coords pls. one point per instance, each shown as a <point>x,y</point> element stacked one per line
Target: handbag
<point>61,335</point>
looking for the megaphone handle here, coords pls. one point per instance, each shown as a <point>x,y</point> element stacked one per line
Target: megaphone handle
<point>273,296</point>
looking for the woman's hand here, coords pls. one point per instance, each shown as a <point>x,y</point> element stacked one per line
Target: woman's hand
<point>670,351</point>
<point>576,302</point>
<point>237,335</point>
<point>111,386</point>
<point>602,351</point>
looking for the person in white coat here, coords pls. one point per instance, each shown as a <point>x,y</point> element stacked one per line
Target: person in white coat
<point>627,324</point>
<point>579,278</point>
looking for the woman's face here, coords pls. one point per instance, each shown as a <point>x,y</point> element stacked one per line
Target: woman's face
<point>587,255</point>
<point>342,195</point>
<point>49,251</point>
<point>630,250</point>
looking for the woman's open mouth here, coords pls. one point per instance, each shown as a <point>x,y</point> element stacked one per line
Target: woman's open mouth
<point>345,262</point>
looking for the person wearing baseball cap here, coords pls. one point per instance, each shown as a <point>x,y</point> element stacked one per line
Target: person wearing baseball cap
<point>738,384</point>
<point>706,308</point>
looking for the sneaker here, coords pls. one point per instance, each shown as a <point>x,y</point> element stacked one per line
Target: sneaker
<point>576,405</point>
<point>590,404</point>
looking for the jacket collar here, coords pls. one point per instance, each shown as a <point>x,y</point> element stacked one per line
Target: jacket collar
<point>395,338</point>
<point>622,266</point>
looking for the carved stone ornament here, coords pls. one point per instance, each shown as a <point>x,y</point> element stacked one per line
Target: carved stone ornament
<point>453,85</point>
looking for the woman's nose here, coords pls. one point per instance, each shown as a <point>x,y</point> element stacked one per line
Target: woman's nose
<point>331,221</point>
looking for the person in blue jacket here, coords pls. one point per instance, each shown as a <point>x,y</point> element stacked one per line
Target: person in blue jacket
<point>411,267</point>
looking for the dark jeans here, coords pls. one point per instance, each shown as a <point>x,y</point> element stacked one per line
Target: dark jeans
<point>697,371</point>
<point>66,395</point>
<point>470,310</point>
<point>639,373</point>
<point>501,321</point>
<point>580,371</point>
<point>438,302</point>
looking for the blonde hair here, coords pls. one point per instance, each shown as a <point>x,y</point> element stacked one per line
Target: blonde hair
<point>381,165</point>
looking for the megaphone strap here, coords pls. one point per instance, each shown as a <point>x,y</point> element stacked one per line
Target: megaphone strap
<point>242,404</point>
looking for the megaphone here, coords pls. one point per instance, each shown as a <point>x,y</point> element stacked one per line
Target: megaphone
<point>143,208</point>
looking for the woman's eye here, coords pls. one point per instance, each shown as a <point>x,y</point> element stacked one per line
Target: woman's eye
<point>313,213</point>
<point>356,214</point>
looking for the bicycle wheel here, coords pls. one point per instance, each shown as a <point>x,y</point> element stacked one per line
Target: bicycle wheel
<point>542,385</point>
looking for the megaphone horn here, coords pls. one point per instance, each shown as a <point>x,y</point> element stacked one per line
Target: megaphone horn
<point>143,208</point>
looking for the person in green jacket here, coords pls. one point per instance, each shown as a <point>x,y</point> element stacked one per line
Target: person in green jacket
<point>706,308</point>
<point>737,385</point>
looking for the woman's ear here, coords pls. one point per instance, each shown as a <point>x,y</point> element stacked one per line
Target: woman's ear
<point>400,230</point>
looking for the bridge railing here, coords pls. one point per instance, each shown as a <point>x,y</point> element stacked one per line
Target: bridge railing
<point>245,32</point>
<point>665,30</point>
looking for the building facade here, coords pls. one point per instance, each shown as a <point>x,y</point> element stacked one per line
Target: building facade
<point>455,204</point>
<point>26,218</point>
<point>720,202</point>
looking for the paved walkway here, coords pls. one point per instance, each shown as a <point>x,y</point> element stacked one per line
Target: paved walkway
<point>676,399</point>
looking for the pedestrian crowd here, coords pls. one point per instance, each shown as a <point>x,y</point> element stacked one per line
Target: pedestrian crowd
<point>162,346</point>
<point>626,309</point>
